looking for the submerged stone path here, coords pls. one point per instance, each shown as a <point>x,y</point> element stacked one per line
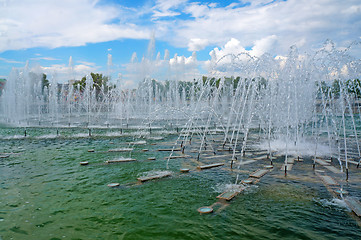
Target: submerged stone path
<point>250,157</point>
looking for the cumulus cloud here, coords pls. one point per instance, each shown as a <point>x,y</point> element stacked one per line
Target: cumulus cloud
<point>233,47</point>
<point>196,44</point>
<point>233,52</point>
<point>253,27</point>
<point>37,23</point>
<point>305,23</point>
<point>195,25</point>
<point>263,45</point>
<point>167,68</point>
<point>62,72</point>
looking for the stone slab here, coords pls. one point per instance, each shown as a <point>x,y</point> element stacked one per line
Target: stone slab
<point>354,204</point>
<point>210,166</point>
<point>328,180</point>
<point>259,173</point>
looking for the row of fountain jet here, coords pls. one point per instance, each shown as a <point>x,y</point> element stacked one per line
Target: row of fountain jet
<point>299,98</point>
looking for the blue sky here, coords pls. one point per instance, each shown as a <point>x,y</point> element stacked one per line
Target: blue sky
<point>48,32</point>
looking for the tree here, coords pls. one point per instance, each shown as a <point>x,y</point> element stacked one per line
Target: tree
<point>100,84</point>
<point>44,82</point>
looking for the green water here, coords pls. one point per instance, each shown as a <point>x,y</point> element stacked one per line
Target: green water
<point>47,194</point>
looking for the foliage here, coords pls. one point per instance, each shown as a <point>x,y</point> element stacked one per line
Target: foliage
<point>44,82</point>
<point>100,84</point>
<point>351,86</point>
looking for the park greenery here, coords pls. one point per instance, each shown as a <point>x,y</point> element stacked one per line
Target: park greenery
<point>351,86</point>
<point>102,85</point>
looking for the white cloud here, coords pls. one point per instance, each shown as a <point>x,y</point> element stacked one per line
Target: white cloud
<point>182,60</point>
<point>167,8</point>
<point>197,10</point>
<point>233,47</point>
<point>261,26</point>
<point>305,23</point>
<point>196,44</point>
<point>263,45</point>
<point>63,73</point>
<point>45,58</point>
<point>176,68</point>
<point>38,23</point>
<point>233,54</point>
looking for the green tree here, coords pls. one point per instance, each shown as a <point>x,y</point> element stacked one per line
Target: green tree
<point>100,84</point>
<point>354,87</point>
<point>44,82</point>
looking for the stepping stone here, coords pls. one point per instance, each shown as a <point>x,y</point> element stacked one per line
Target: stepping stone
<point>259,173</point>
<point>328,180</point>
<point>121,160</point>
<point>247,162</point>
<point>353,162</point>
<point>260,157</point>
<point>120,150</point>
<point>175,157</point>
<point>228,195</point>
<point>247,181</point>
<point>262,152</point>
<point>333,169</point>
<point>217,156</point>
<point>322,162</point>
<point>350,161</point>
<point>156,138</point>
<point>138,143</point>
<point>354,204</point>
<point>168,149</point>
<point>290,161</point>
<point>157,176</point>
<point>205,210</point>
<point>113,184</point>
<point>210,166</point>
<point>289,167</point>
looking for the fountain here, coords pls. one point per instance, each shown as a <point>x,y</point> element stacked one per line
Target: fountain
<point>291,102</point>
<point>249,118</point>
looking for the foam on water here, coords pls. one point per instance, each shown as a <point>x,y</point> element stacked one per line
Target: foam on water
<point>334,202</point>
<point>154,172</point>
<point>81,135</point>
<point>302,147</point>
<point>13,137</point>
<point>48,136</point>
<point>222,187</point>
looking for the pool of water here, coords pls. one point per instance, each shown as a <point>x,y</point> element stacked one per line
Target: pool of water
<point>47,194</point>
